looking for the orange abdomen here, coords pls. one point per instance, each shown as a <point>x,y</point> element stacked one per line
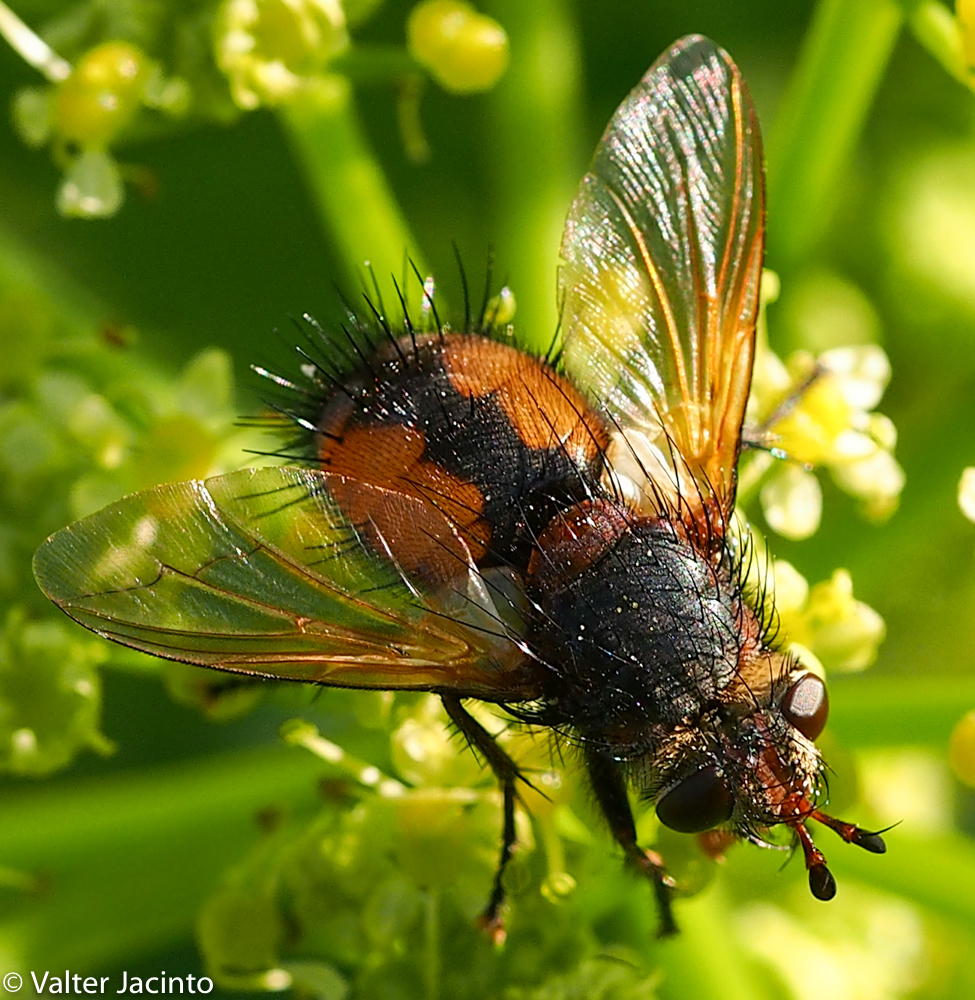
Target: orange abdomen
<point>492,437</point>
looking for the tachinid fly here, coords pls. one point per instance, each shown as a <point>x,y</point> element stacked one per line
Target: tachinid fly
<point>551,537</point>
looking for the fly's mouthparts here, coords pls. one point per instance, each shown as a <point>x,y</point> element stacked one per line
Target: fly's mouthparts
<point>869,840</point>
<point>821,881</point>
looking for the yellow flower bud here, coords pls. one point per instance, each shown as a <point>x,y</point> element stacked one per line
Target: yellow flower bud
<point>465,51</point>
<point>501,309</point>
<point>102,94</point>
<point>841,632</point>
<point>966,493</point>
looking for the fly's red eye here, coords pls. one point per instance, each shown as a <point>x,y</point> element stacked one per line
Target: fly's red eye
<point>806,705</point>
<point>699,802</point>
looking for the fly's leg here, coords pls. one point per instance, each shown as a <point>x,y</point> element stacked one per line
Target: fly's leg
<point>758,436</point>
<point>610,791</point>
<point>507,773</point>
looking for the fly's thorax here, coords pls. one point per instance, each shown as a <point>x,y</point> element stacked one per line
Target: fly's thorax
<point>640,630</point>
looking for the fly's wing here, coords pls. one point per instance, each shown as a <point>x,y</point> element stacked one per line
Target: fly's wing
<point>261,572</point>
<point>663,254</point>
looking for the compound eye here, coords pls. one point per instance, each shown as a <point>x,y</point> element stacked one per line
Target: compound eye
<point>806,705</point>
<point>697,803</point>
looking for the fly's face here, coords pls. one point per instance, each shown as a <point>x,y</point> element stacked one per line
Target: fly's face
<point>751,763</point>
<point>550,535</point>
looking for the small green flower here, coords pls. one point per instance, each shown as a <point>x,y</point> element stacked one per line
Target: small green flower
<point>274,50</point>
<point>85,110</point>
<point>50,695</point>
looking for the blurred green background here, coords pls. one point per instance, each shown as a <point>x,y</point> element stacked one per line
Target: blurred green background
<point>121,851</point>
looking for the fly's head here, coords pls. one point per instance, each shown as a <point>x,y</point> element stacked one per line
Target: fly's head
<point>751,763</point>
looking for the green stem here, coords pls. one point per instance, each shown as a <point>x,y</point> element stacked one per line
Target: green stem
<point>356,204</point>
<point>372,64</point>
<point>125,862</point>
<point>552,842</point>
<point>535,155</point>
<point>843,60</point>
<point>937,29</point>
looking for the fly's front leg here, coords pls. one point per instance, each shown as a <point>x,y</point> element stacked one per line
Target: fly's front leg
<point>507,773</point>
<point>759,437</point>
<point>610,791</point>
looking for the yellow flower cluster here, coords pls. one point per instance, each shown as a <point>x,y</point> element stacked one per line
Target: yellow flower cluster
<point>84,110</point>
<point>818,411</point>
<point>827,628</point>
<point>273,50</point>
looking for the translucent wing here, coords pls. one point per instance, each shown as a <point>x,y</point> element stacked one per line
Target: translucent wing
<point>262,573</point>
<point>663,254</point>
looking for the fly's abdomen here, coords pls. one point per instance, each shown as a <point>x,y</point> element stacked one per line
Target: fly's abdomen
<point>492,437</point>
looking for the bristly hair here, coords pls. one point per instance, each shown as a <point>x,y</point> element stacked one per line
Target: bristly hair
<point>330,355</point>
<point>756,589</point>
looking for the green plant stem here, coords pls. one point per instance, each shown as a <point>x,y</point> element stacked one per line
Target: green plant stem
<point>356,204</point>
<point>552,842</point>
<point>842,62</point>
<point>375,63</point>
<point>126,862</point>
<point>535,151</point>
<point>937,29</point>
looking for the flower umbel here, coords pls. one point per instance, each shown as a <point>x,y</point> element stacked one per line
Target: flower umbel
<point>819,411</point>
<point>826,621</point>
<point>272,50</point>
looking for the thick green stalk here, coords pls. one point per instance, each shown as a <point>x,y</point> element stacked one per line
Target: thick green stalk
<point>356,204</point>
<point>843,60</point>
<point>124,863</point>
<point>535,154</point>
<point>938,30</point>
